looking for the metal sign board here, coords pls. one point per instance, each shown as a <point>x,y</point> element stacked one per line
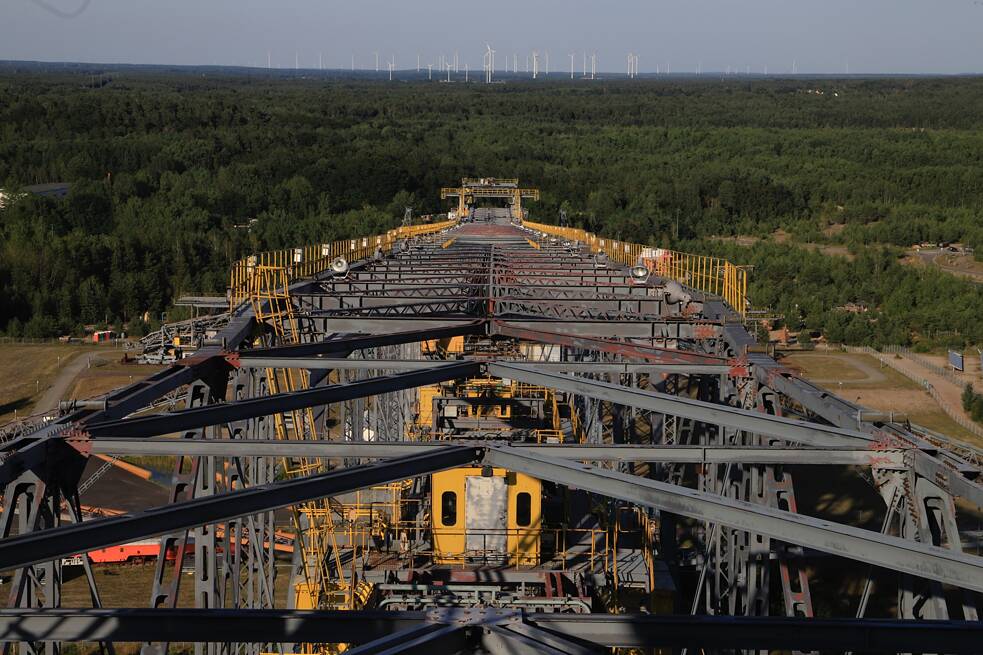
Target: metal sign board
<point>485,516</point>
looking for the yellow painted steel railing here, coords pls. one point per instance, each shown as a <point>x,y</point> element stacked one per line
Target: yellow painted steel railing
<point>711,275</point>
<point>313,259</point>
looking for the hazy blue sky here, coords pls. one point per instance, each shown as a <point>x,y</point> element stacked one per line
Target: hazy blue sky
<point>918,36</point>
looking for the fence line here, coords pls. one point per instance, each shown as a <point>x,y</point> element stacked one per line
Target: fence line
<point>953,413</point>
<point>924,363</point>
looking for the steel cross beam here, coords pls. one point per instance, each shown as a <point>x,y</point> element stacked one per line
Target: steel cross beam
<point>711,454</point>
<point>954,474</point>
<point>624,368</point>
<point>158,424</point>
<point>348,344</point>
<point>622,348</point>
<point>46,545</point>
<point>598,630</point>
<point>663,329</point>
<point>893,553</point>
<point>426,638</point>
<point>813,434</point>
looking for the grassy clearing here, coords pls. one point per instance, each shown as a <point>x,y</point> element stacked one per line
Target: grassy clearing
<point>27,371</point>
<point>863,380</point>
<point>107,374</point>
<point>846,369</point>
<point>940,422</point>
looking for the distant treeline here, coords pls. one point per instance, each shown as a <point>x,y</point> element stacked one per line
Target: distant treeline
<point>175,176</point>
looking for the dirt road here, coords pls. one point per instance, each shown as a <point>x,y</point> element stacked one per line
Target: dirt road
<point>62,384</point>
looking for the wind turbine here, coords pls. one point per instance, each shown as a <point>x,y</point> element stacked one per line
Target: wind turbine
<point>535,63</point>
<point>547,63</point>
<point>571,64</point>
<point>376,61</point>
<point>489,62</point>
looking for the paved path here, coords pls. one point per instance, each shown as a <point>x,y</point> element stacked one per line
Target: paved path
<point>62,384</point>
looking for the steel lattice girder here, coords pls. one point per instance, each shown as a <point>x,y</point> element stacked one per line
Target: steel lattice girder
<point>348,344</point>
<point>623,368</point>
<point>587,305</point>
<point>813,434</point>
<point>383,325</point>
<point>158,424</point>
<point>890,459</point>
<point>893,553</point>
<point>597,630</point>
<point>621,348</point>
<point>22,550</point>
<point>665,329</point>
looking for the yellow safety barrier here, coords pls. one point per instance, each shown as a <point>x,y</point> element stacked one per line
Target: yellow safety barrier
<point>310,260</point>
<point>711,275</point>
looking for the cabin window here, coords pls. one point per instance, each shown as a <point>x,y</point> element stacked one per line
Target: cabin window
<point>448,508</point>
<point>523,509</point>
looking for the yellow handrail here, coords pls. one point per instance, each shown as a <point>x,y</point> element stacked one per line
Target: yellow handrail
<point>310,260</point>
<point>711,275</point>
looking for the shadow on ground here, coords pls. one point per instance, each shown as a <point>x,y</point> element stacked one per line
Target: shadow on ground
<point>15,405</point>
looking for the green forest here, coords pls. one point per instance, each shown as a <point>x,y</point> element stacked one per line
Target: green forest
<point>177,174</point>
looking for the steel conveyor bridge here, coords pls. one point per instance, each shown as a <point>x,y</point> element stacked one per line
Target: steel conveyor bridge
<point>310,393</point>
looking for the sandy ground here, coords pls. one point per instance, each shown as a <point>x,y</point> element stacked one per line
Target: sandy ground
<point>862,379</point>
<point>950,392</point>
<point>958,264</point>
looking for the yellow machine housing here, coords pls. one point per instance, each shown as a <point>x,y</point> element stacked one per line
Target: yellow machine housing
<point>481,518</point>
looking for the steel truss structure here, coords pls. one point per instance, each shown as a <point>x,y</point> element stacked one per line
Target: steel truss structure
<point>652,402</point>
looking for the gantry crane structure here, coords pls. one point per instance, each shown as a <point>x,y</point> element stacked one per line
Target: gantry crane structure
<point>473,189</point>
<point>385,389</point>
